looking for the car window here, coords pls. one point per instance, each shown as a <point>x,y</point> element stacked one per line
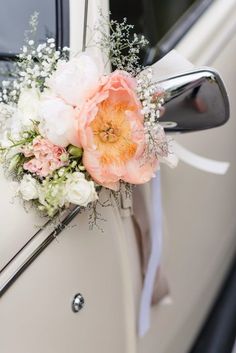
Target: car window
<point>163,23</point>
<point>14,21</point>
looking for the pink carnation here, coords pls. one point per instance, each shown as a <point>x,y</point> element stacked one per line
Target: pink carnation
<point>111,132</point>
<point>47,157</point>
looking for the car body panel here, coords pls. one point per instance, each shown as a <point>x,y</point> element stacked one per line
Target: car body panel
<point>199,207</point>
<point>36,313</point>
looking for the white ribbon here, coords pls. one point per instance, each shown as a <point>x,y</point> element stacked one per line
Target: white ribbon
<point>199,162</point>
<point>196,161</point>
<point>154,259</point>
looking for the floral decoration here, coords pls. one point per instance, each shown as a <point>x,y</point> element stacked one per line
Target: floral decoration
<point>68,129</point>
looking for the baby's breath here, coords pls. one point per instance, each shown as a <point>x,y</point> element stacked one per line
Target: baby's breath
<point>152,98</point>
<point>33,25</point>
<point>20,148</point>
<point>35,63</point>
<point>121,45</point>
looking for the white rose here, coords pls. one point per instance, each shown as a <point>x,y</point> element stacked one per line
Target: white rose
<point>57,121</point>
<point>73,80</point>
<point>28,188</point>
<point>79,191</point>
<point>28,105</point>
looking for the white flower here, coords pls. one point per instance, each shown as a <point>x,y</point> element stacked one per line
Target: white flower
<point>28,188</point>
<point>13,127</point>
<point>17,124</point>
<point>28,106</point>
<point>52,194</point>
<point>6,143</point>
<point>79,191</point>
<point>42,194</point>
<point>73,80</point>
<point>57,121</point>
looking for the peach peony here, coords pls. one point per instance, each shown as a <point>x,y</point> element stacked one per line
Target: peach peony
<point>110,129</point>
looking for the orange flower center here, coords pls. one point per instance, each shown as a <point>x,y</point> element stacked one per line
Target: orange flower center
<point>109,133</point>
<point>112,134</point>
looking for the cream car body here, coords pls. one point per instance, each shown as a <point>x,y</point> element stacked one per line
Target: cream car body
<point>35,313</point>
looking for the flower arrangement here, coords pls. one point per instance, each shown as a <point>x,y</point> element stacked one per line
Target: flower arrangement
<point>67,128</point>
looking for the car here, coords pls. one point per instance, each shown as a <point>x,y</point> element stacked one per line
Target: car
<point>82,293</point>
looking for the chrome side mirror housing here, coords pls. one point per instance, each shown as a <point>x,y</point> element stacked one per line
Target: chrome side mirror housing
<point>194,101</point>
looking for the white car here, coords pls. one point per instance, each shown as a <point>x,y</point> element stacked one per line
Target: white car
<point>40,309</point>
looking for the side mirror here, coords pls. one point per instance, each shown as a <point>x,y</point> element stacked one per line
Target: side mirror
<point>195,100</point>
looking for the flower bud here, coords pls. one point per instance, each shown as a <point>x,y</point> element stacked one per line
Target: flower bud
<point>75,151</point>
<point>14,162</point>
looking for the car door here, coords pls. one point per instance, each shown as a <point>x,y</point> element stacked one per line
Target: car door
<point>36,308</point>
<point>199,219</point>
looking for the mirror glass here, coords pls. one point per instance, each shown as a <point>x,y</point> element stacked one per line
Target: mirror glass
<point>194,101</point>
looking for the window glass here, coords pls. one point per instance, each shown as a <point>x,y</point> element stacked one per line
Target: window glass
<point>156,20</point>
<point>5,68</point>
<point>153,18</point>
<point>14,21</point>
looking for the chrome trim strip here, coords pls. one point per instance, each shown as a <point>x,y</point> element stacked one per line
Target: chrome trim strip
<point>39,249</point>
<point>44,244</point>
<point>23,247</point>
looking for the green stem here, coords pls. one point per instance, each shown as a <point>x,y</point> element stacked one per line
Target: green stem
<point>22,142</point>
